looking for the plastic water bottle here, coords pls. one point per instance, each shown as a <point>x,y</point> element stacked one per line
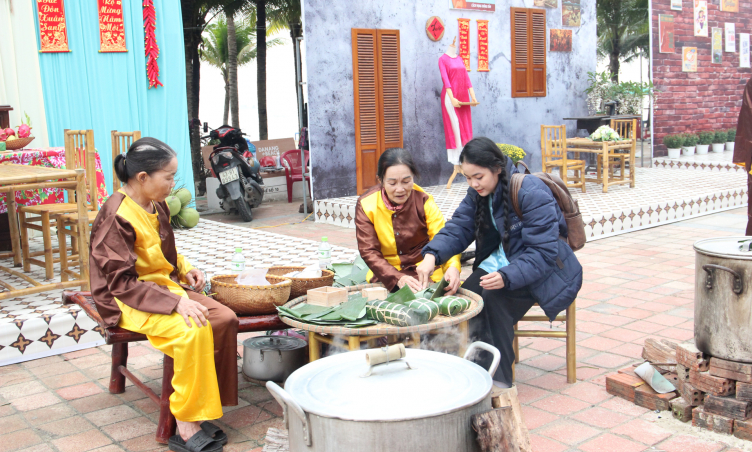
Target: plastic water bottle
<point>237,264</point>
<point>325,253</point>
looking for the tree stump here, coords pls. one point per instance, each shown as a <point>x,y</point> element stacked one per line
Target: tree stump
<point>509,398</point>
<point>497,430</point>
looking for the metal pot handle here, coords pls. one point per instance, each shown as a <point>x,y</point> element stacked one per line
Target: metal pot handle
<point>738,285</point>
<point>489,348</point>
<point>284,399</point>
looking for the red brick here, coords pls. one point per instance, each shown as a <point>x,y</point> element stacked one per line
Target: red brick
<point>82,442</point>
<point>602,418</point>
<point>568,432</point>
<point>609,443</point>
<point>19,439</point>
<point>535,418</point>
<point>685,443</point>
<point>642,431</point>
<point>560,404</point>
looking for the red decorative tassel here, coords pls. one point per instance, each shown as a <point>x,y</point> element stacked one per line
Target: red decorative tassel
<point>150,44</point>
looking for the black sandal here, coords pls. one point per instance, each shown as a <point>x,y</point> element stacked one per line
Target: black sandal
<point>214,432</point>
<point>200,442</point>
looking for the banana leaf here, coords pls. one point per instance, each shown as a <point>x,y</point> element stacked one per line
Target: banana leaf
<point>394,313</point>
<point>423,305</point>
<point>307,309</point>
<point>452,306</point>
<point>440,289</point>
<point>349,310</point>
<point>341,270</point>
<point>401,296</point>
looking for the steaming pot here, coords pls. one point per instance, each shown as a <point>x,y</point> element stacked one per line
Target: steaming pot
<point>723,300</point>
<point>331,405</point>
<point>273,358</point>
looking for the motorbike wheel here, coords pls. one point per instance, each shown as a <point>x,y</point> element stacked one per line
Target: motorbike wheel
<point>244,209</point>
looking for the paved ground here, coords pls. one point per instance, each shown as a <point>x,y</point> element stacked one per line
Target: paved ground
<point>637,285</point>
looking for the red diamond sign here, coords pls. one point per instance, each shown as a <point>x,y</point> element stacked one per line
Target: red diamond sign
<point>435,28</point>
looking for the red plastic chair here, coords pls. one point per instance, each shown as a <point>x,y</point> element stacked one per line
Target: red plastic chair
<point>294,170</point>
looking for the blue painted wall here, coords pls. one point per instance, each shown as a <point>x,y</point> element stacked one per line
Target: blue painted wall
<point>85,89</point>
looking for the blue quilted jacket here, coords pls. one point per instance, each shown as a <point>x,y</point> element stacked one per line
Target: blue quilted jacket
<point>538,258</point>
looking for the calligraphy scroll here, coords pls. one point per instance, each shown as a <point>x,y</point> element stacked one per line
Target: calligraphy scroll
<point>465,41</point>
<point>53,35</point>
<point>483,46</point>
<point>111,26</point>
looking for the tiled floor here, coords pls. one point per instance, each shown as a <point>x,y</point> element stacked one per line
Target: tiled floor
<point>38,326</point>
<point>661,196</point>
<point>712,161</point>
<point>637,285</point>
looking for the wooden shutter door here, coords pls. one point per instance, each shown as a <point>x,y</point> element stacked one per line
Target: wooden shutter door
<point>520,52</point>
<point>378,99</point>
<point>538,47</point>
<point>390,98</point>
<point>367,118</point>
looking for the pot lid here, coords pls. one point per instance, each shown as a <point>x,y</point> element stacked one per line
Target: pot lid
<point>436,383</point>
<point>274,343</point>
<point>728,247</point>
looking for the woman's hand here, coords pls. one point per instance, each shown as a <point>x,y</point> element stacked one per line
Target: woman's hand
<point>196,279</point>
<point>455,102</point>
<point>409,281</point>
<point>492,281</point>
<point>193,310</point>
<point>425,270</point>
<point>452,277</point>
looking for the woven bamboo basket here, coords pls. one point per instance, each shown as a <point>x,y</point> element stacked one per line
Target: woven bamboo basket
<point>18,143</point>
<point>251,300</point>
<point>301,286</point>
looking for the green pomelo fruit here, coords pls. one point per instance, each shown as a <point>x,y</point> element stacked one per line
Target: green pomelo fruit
<point>174,204</point>
<point>188,218</point>
<point>184,196</point>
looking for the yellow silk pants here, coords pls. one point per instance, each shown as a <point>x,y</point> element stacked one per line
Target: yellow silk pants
<point>196,396</point>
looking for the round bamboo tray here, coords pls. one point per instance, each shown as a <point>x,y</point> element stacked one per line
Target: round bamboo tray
<point>251,300</point>
<point>18,143</point>
<point>382,329</point>
<point>301,286</point>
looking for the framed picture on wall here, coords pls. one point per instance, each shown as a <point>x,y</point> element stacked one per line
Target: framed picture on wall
<point>676,5</point>
<point>701,18</point>
<point>743,49</point>
<point>561,40</point>
<point>666,33</point>
<point>730,37</point>
<point>689,59</point>
<point>481,5</point>
<point>570,13</point>
<point>717,45</point>
<point>731,6</point>
<point>546,3</point>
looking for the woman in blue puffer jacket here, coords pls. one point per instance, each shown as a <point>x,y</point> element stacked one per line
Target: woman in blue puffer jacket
<point>517,262</point>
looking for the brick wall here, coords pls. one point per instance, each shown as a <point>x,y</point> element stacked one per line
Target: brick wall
<point>710,98</point>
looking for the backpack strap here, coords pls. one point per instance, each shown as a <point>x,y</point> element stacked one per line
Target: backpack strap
<point>514,189</point>
<point>527,170</point>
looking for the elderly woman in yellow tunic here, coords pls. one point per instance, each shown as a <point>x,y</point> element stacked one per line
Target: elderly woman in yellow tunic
<point>139,282</point>
<point>394,221</point>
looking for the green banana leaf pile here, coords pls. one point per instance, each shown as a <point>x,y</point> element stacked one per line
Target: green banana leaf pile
<point>452,306</point>
<point>423,305</point>
<point>350,314</point>
<point>394,313</point>
<point>349,274</point>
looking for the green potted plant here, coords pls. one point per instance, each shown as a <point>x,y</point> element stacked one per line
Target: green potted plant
<point>706,139</point>
<point>690,141</point>
<point>674,144</point>
<point>719,140</point>
<point>730,138</point>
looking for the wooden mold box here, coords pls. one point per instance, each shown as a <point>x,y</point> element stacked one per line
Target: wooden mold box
<point>327,296</point>
<point>375,293</point>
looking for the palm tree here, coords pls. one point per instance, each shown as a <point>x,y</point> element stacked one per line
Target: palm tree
<point>215,50</point>
<point>288,15</point>
<point>623,31</point>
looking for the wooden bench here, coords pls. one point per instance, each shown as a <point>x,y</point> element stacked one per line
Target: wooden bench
<point>119,338</point>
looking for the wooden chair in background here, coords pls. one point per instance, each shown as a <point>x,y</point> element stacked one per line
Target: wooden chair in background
<point>121,141</point>
<point>68,223</point>
<point>78,145</point>
<point>626,128</point>
<point>554,155</point>
<point>569,334</point>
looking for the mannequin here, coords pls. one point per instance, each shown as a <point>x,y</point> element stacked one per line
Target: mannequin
<point>456,101</point>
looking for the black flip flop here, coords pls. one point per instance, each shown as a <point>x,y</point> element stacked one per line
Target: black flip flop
<point>214,432</point>
<point>200,442</point>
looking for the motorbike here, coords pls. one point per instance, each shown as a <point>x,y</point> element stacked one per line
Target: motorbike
<point>240,185</point>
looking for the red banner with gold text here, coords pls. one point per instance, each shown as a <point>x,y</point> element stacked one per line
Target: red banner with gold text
<point>465,41</point>
<point>483,46</point>
<point>53,35</point>
<point>111,26</point>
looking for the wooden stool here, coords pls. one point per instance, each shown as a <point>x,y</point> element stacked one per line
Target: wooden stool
<point>457,170</point>
<point>569,334</point>
<point>119,338</point>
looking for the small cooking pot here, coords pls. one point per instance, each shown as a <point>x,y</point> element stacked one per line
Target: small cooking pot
<point>273,358</point>
<point>422,402</point>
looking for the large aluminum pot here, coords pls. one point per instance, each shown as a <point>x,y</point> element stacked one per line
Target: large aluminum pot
<point>330,406</point>
<point>723,299</point>
<point>273,358</point>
